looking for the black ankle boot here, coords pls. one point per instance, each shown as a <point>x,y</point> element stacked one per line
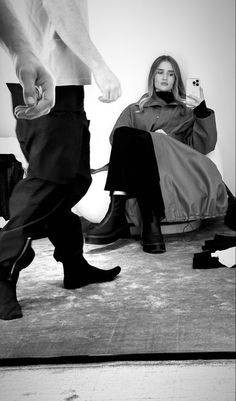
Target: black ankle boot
<point>9,305</point>
<point>151,237</point>
<point>79,273</point>
<point>113,226</point>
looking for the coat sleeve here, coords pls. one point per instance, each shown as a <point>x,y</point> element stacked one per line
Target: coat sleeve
<point>202,136</point>
<point>124,120</point>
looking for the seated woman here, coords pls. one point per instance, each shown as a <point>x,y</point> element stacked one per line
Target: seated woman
<point>158,157</point>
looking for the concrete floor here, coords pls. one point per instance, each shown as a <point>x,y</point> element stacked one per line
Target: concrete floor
<point>130,381</point>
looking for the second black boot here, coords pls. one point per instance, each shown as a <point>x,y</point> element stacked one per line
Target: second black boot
<point>113,226</point>
<point>151,237</point>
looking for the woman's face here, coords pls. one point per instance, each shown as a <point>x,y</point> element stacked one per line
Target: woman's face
<point>165,77</point>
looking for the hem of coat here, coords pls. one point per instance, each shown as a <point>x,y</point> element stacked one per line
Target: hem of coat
<point>184,219</point>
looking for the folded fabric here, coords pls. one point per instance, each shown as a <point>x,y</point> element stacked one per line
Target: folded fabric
<point>227,257</point>
<point>219,243</point>
<point>204,260</point>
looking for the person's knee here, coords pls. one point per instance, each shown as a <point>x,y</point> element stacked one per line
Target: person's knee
<point>121,132</point>
<point>135,133</point>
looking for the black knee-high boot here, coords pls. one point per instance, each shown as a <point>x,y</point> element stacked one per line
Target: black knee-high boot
<point>113,226</point>
<point>151,236</point>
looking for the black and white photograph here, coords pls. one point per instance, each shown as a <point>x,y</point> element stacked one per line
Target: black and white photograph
<point>117,200</point>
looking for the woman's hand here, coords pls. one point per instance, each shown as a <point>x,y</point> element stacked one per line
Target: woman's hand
<point>194,101</point>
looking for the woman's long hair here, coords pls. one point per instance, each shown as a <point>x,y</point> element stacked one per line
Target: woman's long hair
<point>178,89</point>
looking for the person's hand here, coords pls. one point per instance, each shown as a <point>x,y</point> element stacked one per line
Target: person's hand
<point>108,83</point>
<point>38,87</point>
<point>194,101</point>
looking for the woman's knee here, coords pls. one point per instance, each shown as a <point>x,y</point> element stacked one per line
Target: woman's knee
<point>129,133</point>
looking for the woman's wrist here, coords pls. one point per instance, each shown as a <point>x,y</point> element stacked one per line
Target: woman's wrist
<point>201,111</point>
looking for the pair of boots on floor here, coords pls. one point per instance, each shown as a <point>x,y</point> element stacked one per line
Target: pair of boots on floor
<point>114,226</point>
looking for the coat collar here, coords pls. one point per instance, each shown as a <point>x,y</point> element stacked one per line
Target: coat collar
<point>157,101</point>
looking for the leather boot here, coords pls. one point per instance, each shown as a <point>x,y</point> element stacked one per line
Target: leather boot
<point>9,273</point>
<point>151,237</point>
<point>113,226</point>
<point>79,273</point>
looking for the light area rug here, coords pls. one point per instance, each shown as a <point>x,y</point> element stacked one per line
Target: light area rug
<point>158,303</point>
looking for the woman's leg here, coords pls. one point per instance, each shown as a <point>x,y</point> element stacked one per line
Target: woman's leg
<point>151,236</point>
<point>133,170</point>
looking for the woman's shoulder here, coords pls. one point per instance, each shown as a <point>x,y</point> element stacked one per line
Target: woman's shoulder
<point>132,107</point>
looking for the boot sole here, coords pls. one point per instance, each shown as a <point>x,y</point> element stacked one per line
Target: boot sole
<point>71,285</point>
<point>154,248</point>
<point>107,239</point>
<point>23,260</point>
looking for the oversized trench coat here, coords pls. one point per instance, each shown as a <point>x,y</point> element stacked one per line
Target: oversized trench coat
<point>192,187</point>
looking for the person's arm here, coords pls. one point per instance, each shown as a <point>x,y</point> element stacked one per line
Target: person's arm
<point>201,111</point>
<point>202,135</point>
<point>29,70</point>
<point>68,23</point>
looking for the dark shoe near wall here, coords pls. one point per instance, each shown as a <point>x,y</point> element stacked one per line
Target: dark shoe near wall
<point>219,243</point>
<point>113,226</point>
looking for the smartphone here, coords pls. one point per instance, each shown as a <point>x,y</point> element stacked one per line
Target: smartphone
<point>193,87</point>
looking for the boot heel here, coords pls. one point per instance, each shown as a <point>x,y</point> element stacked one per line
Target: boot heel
<point>154,248</point>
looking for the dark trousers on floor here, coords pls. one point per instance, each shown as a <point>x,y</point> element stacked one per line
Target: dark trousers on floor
<point>57,149</point>
<point>133,168</point>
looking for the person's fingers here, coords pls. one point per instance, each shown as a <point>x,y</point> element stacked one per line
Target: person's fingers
<point>41,108</point>
<point>119,91</point>
<point>201,94</point>
<point>104,100</point>
<point>110,95</point>
<point>29,113</point>
<point>192,97</point>
<point>19,111</point>
<point>47,87</point>
<point>27,80</point>
<point>43,105</point>
<point>39,95</point>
